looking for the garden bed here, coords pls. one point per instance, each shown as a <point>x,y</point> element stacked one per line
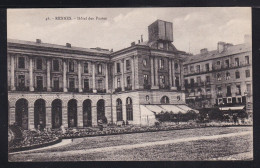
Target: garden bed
<point>38,140</point>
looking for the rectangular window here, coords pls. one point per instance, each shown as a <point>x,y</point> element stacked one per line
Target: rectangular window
<point>86,84</point>
<point>56,84</point>
<point>227,63</point>
<point>99,68</point>
<point>248,88</point>
<point>71,66</point>
<point>207,67</point>
<point>100,84</point>
<point>227,75</point>
<point>247,59</point>
<point>229,100</point>
<point>208,79</point>
<point>85,67</point>
<point>118,83</point>
<point>55,65</point>
<point>145,79</point>
<point>191,69</point>
<point>186,82</point>
<point>198,68</point>
<point>71,83</point>
<point>238,92</point>
<point>219,91</point>
<point>161,63</point>
<point>162,80</point>
<point>237,75</point>
<point>247,73</point>
<point>128,81</point>
<point>21,81</point>
<point>239,100</point>
<point>128,65</point>
<point>228,90</point>
<point>185,70</point>
<point>118,68</point>
<point>236,61</point>
<point>39,63</point>
<point>218,62</point>
<point>192,82</point>
<point>198,80</point>
<point>219,77</point>
<point>21,62</point>
<point>39,83</point>
<point>177,81</point>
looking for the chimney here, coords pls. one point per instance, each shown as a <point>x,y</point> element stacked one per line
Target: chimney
<point>111,50</point>
<point>133,43</point>
<point>68,45</point>
<point>247,38</point>
<point>38,41</point>
<point>138,41</point>
<point>141,38</point>
<point>227,45</point>
<point>204,51</point>
<point>221,46</point>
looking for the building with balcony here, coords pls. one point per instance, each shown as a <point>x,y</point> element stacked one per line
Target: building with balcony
<point>52,85</point>
<point>221,77</point>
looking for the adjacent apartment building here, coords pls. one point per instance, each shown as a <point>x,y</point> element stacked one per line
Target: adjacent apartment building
<point>222,77</point>
<point>52,85</point>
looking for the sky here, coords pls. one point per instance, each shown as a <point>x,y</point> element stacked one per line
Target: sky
<point>193,28</point>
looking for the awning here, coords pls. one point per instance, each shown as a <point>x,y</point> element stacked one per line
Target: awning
<point>186,108</point>
<point>172,108</point>
<point>169,108</point>
<point>232,108</point>
<point>154,108</point>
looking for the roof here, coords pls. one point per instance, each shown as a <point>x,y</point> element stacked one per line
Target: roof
<point>231,50</point>
<point>48,45</point>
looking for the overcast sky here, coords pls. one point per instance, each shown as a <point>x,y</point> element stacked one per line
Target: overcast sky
<point>193,28</point>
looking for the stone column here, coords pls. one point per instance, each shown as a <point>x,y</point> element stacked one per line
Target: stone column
<point>181,76</point>
<point>48,75</point>
<point>31,74</point>
<point>31,118</point>
<point>12,73</point>
<point>122,76</point>
<point>114,77</point>
<point>65,114</point>
<point>156,73</point>
<point>106,83</point>
<point>94,77</point>
<point>170,73</point>
<point>152,74</point>
<point>136,72</point>
<point>94,115</point>
<point>133,73</point>
<point>173,76</point>
<point>79,76</point>
<point>48,117</point>
<point>80,115</point>
<point>65,76</point>
<point>11,115</point>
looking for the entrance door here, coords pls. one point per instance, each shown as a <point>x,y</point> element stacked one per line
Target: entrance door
<point>87,117</point>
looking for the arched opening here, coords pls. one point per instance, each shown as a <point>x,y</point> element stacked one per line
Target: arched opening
<point>21,113</point>
<point>119,113</point>
<point>129,109</point>
<point>39,114</point>
<point>56,113</point>
<point>87,116</point>
<point>165,100</point>
<point>72,113</point>
<point>101,110</point>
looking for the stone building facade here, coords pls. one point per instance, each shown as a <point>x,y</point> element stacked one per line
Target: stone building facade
<point>52,85</point>
<point>221,77</point>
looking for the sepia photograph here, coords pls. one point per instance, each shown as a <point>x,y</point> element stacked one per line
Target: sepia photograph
<point>130,84</point>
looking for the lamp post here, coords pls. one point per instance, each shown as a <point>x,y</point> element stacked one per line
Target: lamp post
<point>246,94</point>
